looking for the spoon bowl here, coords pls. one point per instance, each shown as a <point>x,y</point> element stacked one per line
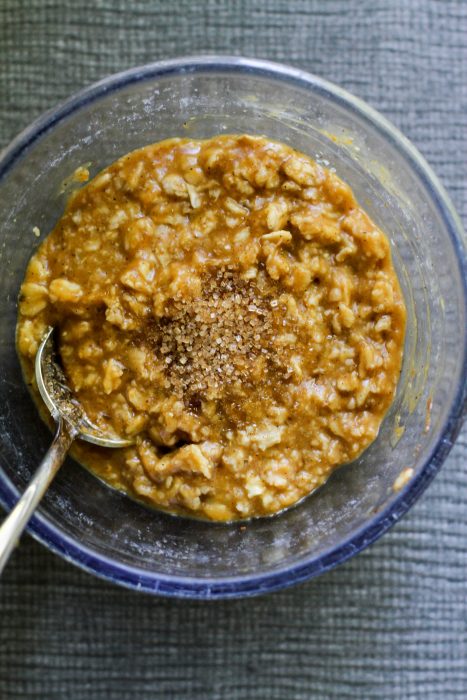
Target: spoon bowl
<point>59,398</point>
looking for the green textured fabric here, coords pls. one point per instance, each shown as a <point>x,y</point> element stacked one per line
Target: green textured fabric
<point>392,622</point>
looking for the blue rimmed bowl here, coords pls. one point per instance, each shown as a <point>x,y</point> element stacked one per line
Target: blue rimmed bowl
<point>112,536</point>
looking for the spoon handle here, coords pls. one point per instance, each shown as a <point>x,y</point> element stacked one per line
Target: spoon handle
<point>16,521</point>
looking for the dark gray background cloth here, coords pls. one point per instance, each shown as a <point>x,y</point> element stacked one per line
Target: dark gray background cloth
<point>392,622</point>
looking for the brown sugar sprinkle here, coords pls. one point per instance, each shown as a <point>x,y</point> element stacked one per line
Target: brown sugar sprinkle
<point>215,340</point>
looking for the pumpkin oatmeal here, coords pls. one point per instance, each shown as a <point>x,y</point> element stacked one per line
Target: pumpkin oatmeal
<point>228,305</point>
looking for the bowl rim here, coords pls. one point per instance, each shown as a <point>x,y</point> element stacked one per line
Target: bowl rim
<point>248,585</point>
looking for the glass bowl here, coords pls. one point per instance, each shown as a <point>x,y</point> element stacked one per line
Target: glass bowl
<point>113,536</point>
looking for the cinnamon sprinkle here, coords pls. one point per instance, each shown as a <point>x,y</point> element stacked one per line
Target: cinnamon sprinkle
<point>217,339</point>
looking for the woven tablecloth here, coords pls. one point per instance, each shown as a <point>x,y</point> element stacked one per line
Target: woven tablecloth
<point>392,622</point>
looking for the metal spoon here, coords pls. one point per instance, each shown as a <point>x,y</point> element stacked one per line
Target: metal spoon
<point>71,422</point>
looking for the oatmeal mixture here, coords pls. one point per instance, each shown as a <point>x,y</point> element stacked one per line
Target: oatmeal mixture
<point>229,305</point>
